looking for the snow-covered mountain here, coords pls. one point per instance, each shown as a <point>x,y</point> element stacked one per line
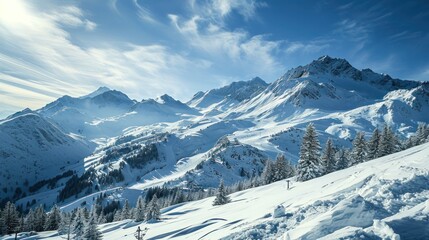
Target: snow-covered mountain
<point>218,100</point>
<point>33,149</point>
<point>106,113</point>
<point>164,141</point>
<point>386,198</point>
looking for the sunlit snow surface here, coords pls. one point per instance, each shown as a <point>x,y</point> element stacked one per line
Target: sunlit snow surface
<point>380,199</point>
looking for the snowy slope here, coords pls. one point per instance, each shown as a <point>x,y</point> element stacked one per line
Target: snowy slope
<point>385,198</point>
<point>221,99</point>
<point>34,149</point>
<point>265,119</point>
<point>77,115</point>
<point>106,113</point>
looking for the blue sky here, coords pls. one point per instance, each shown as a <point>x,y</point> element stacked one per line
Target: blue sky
<point>146,48</point>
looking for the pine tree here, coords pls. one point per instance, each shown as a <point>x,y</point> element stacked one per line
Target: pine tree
<point>102,218</point>
<point>10,218</point>
<point>30,221</point>
<point>280,168</point>
<point>341,159</point>
<point>359,151</point>
<point>117,215</point>
<point>65,226</point>
<point>268,175</point>
<point>422,133</point>
<point>328,158</point>
<point>373,145</point>
<point>389,143</point>
<point>139,214</point>
<point>221,196</point>
<point>91,231</point>
<point>290,169</point>
<point>39,219</point>
<point>125,211</point>
<point>78,226</point>
<point>153,209</point>
<point>53,219</point>
<point>93,214</point>
<point>309,165</point>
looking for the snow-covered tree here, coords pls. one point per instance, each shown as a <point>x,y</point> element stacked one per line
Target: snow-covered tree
<point>65,226</point>
<point>309,165</point>
<point>126,211</point>
<point>373,145</point>
<point>53,219</point>
<point>221,196</point>
<point>101,217</point>
<point>268,175</point>
<point>29,221</point>
<point>139,213</point>
<point>117,215</point>
<point>39,219</point>
<point>422,133</point>
<point>95,209</point>
<point>280,168</point>
<point>328,157</point>
<point>78,226</point>
<point>9,218</point>
<point>91,231</point>
<point>341,159</point>
<point>359,151</point>
<point>153,209</point>
<point>388,142</point>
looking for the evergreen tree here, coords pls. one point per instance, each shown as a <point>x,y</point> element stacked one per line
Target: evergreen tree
<point>139,210</point>
<point>290,169</point>
<point>117,215</point>
<point>78,226</point>
<point>280,168</point>
<point>10,218</point>
<point>91,231</point>
<point>94,212</point>
<point>422,133</point>
<point>39,219</point>
<point>328,158</point>
<point>373,145</point>
<point>30,221</point>
<point>359,151</point>
<point>65,226</point>
<point>221,196</point>
<point>388,142</point>
<point>309,165</point>
<point>153,209</point>
<point>341,159</point>
<point>268,175</point>
<point>125,211</point>
<point>102,218</point>
<point>53,219</point>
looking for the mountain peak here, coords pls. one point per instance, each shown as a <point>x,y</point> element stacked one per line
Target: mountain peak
<point>23,112</point>
<point>97,92</point>
<point>165,99</point>
<point>329,63</point>
<point>258,80</point>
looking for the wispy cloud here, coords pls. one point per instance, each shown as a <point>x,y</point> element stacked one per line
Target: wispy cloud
<point>39,62</point>
<point>71,16</point>
<point>217,10</point>
<point>404,35</point>
<point>311,47</point>
<point>254,54</point>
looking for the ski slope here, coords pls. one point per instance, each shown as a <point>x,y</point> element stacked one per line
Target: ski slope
<point>385,198</point>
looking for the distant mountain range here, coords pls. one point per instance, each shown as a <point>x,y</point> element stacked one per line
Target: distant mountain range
<point>158,141</point>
